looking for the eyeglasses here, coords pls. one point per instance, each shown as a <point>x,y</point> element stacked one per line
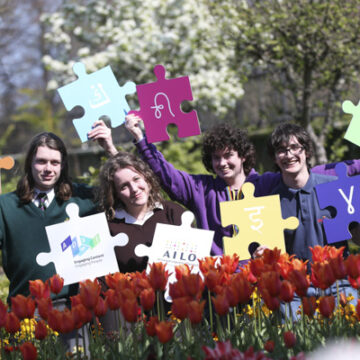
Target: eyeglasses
<point>294,149</point>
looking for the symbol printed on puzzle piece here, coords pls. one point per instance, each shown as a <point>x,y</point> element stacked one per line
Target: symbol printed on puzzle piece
<point>99,94</point>
<point>81,248</point>
<point>343,194</point>
<point>177,245</point>
<point>160,105</point>
<point>259,221</point>
<point>353,131</point>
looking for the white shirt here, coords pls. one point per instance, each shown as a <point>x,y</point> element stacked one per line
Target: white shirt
<point>50,197</point>
<point>123,214</point>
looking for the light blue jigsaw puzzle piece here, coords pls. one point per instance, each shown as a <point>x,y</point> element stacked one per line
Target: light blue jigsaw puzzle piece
<point>99,94</point>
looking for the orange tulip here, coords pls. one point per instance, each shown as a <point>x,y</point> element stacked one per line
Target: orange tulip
<point>221,304</point>
<point>214,279</point>
<point>196,310</point>
<point>44,305</point>
<point>89,293</point>
<point>287,291</point>
<point>343,300</point>
<point>147,299</point>
<point>207,264</point>
<point>158,276</point>
<point>41,330</point>
<point>232,295</point>
<point>179,307</point>
<point>81,315</point>
<point>3,312</point>
<point>229,263</point>
<point>289,339</point>
<point>322,275</point>
<point>140,282</point>
<point>12,323</point>
<point>326,305</point>
<point>320,253</point>
<point>150,325</point>
<point>39,289</point>
<point>177,289</point>
<point>22,306</point>
<point>56,284</point>
<point>28,351</point>
<point>181,270</point>
<point>101,307</point>
<point>271,256</point>
<point>75,300</point>
<point>130,309</point>
<point>300,280</point>
<point>164,331</point>
<point>112,280</point>
<point>54,319</point>
<point>309,305</point>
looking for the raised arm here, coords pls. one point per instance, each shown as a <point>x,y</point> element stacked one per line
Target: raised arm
<point>353,168</point>
<point>102,134</point>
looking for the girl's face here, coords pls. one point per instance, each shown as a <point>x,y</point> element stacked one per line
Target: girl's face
<point>132,189</point>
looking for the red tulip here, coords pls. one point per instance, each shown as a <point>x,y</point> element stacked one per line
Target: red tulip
<point>112,280</point>
<point>326,305</point>
<point>273,303</point>
<point>196,310</point>
<point>113,299</point>
<point>270,281</point>
<point>101,307</point>
<point>213,279</point>
<point>358,309</point>
<point>352,264</point>
<point>286,291</point>
<point>147,299</point>
<point>269,346</point>
<point>89,293</point>
<point>229,263</point>
<point>130,309</point>
<point>158,276</point>
<point>39,289</point>
<point>177,289</point>
<point>12,323</point>
<point>22,306</point>
<point>232,295</point>
<point>193,285</point>
<point>309,305</point>
<point>67,323</point>
<point>182,270</point>
<point>289,339</point>
<point>320,253</point>
<point>243,287</point>
<point>338,267</point>
<point>164,331</point>
<point>28,351</point>
<point>150,325</point>
<point>54,319</point>
<point>221,304</point>
<point>322,275</point>
<point>81,315</point>
<point>44,305</point>
<point>300,280</point>
<point>56,284</point>
<point>41,330</point>
<point>3,312</point>
<point>179,307</point>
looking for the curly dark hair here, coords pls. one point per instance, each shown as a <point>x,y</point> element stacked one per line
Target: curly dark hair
<point>282,134</point>
<point>225,136</point>
<point>108,201</point>
<point>63,187</point>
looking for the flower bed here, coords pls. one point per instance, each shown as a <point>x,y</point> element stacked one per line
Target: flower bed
<point>224,314</point>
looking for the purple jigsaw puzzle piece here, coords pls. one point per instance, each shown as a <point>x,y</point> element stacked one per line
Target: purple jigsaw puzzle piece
<point>344,195</point>
<point>160,105</point>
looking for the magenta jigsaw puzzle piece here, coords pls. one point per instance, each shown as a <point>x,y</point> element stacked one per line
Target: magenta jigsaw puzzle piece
<point>160,105</point>
<point>342,194</point>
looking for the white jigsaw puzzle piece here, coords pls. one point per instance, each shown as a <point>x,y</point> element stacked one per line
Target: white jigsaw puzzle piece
<point>177,245</point>
<point>82,248</point>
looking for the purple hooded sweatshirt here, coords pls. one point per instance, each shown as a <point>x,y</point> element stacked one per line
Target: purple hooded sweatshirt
<point>202,194</point>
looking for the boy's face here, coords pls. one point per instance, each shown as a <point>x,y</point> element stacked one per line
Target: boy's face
<point>291,157</point>
<point>227,164</point>
<point>46,168</point>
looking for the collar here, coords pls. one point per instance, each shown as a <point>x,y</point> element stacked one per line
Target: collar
<point>283,188</point>
<point>129,219</point>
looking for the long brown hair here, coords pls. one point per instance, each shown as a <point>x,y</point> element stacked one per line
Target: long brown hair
<point>108,201</point>
<point>63,187</point>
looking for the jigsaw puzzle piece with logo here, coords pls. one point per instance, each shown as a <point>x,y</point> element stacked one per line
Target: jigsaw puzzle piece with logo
<point>177,245</point>
<point>342,194</point>
<point>259,221</point>
<point>99,94</point>
<point>160,105</point>
<point>81,248</point>
<point>353,131</point>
